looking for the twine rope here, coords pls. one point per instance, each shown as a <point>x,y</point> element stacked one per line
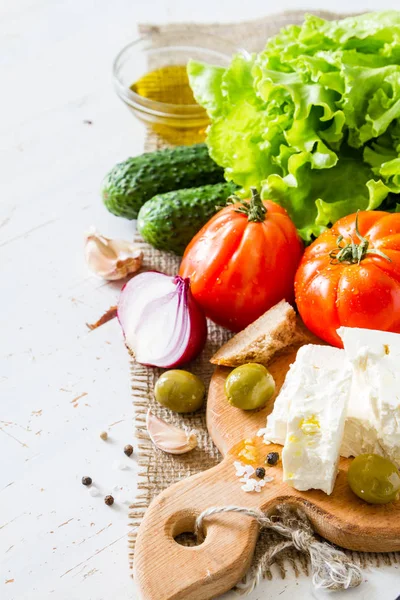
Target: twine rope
<point>331,568</point>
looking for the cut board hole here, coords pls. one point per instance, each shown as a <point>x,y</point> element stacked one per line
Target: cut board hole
<point>187,538</point>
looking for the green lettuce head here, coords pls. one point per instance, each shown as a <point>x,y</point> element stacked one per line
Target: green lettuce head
<point>313,120</point>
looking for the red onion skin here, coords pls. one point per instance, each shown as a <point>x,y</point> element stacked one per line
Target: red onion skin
<point>198,330</point>
<point>198,326</point>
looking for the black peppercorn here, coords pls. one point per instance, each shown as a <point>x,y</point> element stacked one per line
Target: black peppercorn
<point>87,480</point>
<point>109,500</point>
<point>260,472</point>
<point>272,458</point>
<point>128,450</point>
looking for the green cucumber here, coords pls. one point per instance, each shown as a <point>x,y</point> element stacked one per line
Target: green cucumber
<point>169,221</point>
<point>132,182</point>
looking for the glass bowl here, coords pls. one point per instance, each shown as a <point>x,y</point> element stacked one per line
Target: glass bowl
<point>176,122</point>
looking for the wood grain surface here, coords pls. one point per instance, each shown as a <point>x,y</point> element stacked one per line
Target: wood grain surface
<point>205,571</point>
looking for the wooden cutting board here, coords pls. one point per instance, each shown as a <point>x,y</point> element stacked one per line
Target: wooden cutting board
<point>166,570</point>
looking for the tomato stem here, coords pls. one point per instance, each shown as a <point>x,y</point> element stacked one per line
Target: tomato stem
<point>254,208</point>
<point>353,253</point>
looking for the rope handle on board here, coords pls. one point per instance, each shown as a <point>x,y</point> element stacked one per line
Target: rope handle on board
<point>331,568</point>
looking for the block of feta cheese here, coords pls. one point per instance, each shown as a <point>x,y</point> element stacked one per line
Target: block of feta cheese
<point>316,418</point>
<point>309,359</point>
<point>373,417</point>
<point>275,431</point>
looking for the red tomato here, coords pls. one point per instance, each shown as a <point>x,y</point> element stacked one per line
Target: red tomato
<point>243,261</point>
<point>355,286</point>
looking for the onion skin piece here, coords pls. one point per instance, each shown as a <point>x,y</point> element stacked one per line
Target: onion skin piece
<point>198,327</point>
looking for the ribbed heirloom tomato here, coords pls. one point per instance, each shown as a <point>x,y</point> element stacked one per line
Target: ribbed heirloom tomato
<point>350,276</point>
<point>243,261</point>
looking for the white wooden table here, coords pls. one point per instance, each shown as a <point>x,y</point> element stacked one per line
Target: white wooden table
<point>61,385</point>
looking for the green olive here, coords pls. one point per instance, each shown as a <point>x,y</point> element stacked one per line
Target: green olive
<point>249,386</point>
<point>180,391</point>
<point>374,479</point>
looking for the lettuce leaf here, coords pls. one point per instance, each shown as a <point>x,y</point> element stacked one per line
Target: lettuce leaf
<point>313,120</point>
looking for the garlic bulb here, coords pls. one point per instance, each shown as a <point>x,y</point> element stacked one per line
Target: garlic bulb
<point>169,438</point>
<point>111,259</point>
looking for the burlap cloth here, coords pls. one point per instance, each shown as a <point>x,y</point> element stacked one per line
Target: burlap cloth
<point>159,470</point>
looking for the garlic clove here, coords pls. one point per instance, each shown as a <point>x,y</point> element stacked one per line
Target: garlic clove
<point>111,259</point>
<point>169,438</point>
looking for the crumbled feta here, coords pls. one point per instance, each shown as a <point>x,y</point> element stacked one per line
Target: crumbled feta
<point>264,434</point>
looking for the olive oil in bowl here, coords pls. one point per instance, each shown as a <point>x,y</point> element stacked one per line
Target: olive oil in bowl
<point>150,77</point>
<point>169,85</point>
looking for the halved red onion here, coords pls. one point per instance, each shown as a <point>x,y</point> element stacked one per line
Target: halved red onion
<point>162,323</point>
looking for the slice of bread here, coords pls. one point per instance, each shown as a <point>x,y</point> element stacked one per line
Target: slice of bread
<point>271,333</point>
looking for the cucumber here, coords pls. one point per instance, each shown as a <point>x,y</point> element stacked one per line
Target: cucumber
<point>169,221</point>
<point>132,182</point>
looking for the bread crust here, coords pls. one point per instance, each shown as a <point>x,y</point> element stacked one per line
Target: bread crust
<point>271,333</point>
